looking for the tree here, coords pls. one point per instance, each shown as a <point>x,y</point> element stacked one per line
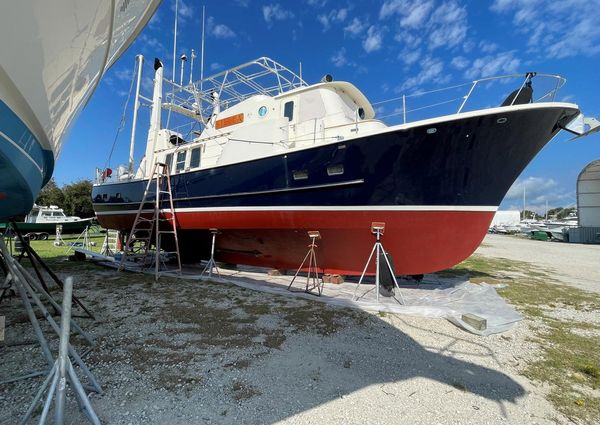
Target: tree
<point>51,195</point>
<point>78,199</point>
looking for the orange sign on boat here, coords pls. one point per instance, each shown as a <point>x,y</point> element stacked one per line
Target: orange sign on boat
<point>225,122</point>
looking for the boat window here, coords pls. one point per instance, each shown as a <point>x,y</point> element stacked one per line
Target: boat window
<point>180,165</point>
<point>300,174</point>
<point>288,110</point>
<point>57,214</point>
<point>169,160</point>
<point>195,158</point>
<point>335,170</point>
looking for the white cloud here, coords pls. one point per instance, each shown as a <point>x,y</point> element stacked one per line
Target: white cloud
<point>538,190</point>
<point>460,62</point>
<point>355,27</point>
<point>487,46</point>
<point>155,21</point>
<point>373,40</point>
<point>417,15</point>
<point>442,24</point>
<point>274,12</point>
<point>556,29</point>
<point>222,31</point>
<point>215,66</point>
<point>317,3</point>
<point>410,56</point>
<point>493,65</point>
<point>334,16</point>
<point>184,11</point>
<point>339,58</point>
<point>124,74</point>
<point>449,25</point>
<point>392,7</point>
<point>431,72</point>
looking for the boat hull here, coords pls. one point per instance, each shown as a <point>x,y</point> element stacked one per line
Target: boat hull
<point>437,192</point>
<point>68,227</point>
<point>58,52</point>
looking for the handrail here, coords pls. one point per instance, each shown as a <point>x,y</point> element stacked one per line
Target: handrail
<point>473,85</point>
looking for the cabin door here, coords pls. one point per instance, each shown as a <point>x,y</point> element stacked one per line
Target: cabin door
<point>290,111</point>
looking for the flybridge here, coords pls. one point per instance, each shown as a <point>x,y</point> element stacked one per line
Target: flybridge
<point>262,76</point>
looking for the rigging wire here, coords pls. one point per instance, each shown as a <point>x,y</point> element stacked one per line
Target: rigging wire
<point>122,122</point>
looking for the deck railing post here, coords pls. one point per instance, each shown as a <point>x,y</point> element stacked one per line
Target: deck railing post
<point>467,96</point>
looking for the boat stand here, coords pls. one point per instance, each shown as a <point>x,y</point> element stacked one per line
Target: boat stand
<point>36,261</point>
<point>377,229</point>
<point>211,263</point>
<point>58,240</point>
<point>62,372</point>
<point>313,271</point>
<point>86,240</point>
<point>33,294</point>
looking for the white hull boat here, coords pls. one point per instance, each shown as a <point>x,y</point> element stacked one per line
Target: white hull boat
<point>53,56</point>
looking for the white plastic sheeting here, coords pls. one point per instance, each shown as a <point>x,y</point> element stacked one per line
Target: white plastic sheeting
<point>444,298</point>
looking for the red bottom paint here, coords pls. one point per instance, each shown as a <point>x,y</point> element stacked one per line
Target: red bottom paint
<point>419,241</point>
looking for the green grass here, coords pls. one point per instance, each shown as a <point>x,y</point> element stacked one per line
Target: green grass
<point>570,360</point>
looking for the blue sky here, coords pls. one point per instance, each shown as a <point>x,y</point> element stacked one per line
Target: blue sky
<point>386,48</point>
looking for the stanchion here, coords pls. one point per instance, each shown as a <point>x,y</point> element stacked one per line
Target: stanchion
<point>313,271</point>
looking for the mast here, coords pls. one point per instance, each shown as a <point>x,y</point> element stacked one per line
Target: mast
<point>175,39</point>
<point>202,52</point>
<point>154,115</point>
<point>524,217</point>
<point>136,105</point>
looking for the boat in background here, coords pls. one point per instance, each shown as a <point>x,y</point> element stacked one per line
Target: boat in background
<point>269,157</point>
<point>53,56</point>
<point>43,220</point>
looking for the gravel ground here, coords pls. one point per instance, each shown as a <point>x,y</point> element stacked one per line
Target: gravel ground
<point>185,352</point>
<point>577,265</point>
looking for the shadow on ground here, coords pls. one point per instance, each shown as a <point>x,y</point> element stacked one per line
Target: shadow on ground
<point>187,352</point>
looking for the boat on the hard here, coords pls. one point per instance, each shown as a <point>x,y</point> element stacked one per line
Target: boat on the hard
<point>266,162</point>
<point>43,220</point>
<point>53,56</point>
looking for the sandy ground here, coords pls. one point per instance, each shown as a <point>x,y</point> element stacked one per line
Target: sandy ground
<point>187,352</point>
<point>574,264</point>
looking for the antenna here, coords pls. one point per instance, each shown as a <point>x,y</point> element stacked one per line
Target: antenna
<point>175,38</point>
<point>193,56</point>
<point>183,60</point>
<point>202,52</point>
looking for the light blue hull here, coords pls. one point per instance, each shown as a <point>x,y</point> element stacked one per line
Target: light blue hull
<point>24,166</point>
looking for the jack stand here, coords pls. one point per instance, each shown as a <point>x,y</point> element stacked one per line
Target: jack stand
<point>211,263</point>
<point>32,294</point>
<point>58,240</point>
<point>61,371</point>
<point>312,267</point>
<point>36,261</point>
<point>377,229</point>
<point>86,240</point>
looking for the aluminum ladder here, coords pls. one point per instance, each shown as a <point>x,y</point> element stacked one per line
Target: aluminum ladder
<point>145,228</point>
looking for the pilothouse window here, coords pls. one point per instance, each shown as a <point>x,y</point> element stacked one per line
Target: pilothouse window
<point>288,110</point>
<point>169,160</point>
<point>180,165</point>
<point>195,158</point>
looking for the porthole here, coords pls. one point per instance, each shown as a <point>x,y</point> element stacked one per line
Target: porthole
<point>262,111</point>
<point>501,120</point>
<point>431,130</point>
<point>335,170</point>
<point>300,174</point>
